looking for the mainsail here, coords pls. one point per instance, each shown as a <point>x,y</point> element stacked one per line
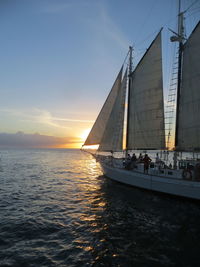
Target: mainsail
<point>98,128</point>
<point>112,139</point>
<point>146,107</point>
<point>145,112</point>
<point>189,106</point>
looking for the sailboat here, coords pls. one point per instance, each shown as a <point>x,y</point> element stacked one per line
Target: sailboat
<point>134,111</point>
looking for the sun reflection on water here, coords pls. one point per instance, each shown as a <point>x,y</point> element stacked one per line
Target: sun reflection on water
<point>58,203</point>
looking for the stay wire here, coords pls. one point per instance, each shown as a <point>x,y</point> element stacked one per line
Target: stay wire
<point>191,6</point>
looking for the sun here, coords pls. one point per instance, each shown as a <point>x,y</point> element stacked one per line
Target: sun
<point>84,134</point>
<point>83,137</point>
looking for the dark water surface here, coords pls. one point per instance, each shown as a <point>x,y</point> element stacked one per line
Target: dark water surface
<point>56,209</point>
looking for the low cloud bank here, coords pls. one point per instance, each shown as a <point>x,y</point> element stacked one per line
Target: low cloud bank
<point>23,140</point>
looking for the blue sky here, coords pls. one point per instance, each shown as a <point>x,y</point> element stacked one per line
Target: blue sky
<point>59,58</point>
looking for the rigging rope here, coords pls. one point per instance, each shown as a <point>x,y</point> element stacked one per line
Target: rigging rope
<point>191,6</point>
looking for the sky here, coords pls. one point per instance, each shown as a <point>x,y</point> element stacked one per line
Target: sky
<point>59,59</point>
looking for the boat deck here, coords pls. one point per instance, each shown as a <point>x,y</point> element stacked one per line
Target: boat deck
<point>156,170</point>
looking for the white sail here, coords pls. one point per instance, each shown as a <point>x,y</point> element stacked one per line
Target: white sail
<point>189,111</point>
<point>98,128</point>
<point>146,107</point>
<point>112,139</point>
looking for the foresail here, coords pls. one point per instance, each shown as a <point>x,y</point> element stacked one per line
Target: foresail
<point>112,139</point>
<point>189,111</point>
<point>98,128</point>
<point>146,107</point>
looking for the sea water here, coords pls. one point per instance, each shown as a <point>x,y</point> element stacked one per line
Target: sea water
<point>57,209</point>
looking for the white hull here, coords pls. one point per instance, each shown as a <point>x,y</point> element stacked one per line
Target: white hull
<point>173,186</point>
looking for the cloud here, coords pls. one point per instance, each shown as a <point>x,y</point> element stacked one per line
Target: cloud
<point>111,30</point>
<point>72,120</point>
<point>23,140</point>
<point>102,22</point>
<point>42,117</point>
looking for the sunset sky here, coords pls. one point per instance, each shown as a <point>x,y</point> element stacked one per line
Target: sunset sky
<point>59,58</point>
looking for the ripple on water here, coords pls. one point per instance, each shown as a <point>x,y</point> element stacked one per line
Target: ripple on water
<point>57,209</point>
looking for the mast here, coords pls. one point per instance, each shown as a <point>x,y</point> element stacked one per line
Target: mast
<point>129,86</point>
<point>179,38</point>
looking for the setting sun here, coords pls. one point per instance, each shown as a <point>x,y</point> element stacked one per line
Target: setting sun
<point>93,147</point>
<point>83,137</point>
<point>84,134</point>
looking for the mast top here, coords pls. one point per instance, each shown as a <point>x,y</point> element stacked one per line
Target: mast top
<point>130,59</point>
<point>180,35</point>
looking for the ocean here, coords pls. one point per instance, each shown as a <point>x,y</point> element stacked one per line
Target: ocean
<point>57,209</point>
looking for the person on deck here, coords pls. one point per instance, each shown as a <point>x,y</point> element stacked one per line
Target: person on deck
<point>133,160</point>
<point>157,158</point>
<point>147,161</point>
<point>128,162</point>
<point>129,157</point>
<point>140,158</point>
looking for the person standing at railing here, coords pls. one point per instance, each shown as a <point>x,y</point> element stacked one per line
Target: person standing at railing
<point>146,161</point>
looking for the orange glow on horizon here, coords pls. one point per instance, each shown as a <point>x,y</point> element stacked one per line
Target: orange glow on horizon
<point>73,145</point>
<point>63,146</point>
